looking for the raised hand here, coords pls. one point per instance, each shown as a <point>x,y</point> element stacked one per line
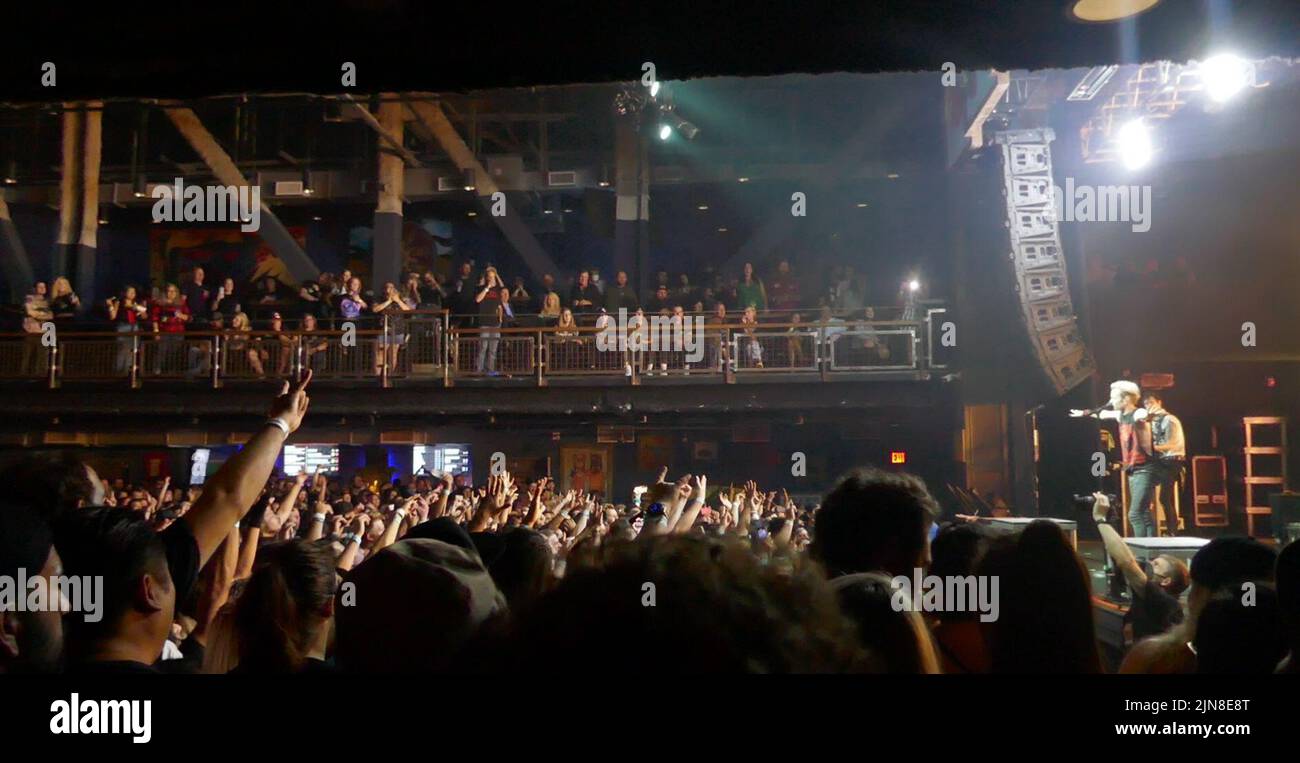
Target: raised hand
<point>291,404</point>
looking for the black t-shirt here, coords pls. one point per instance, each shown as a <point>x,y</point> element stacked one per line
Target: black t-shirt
<point>182,557</point>
<point>197,298</point>
<point>1153,610</point>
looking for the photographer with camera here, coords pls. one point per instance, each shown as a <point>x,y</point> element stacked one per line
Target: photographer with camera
<point>1136,451</point>
<point>1154,590</point>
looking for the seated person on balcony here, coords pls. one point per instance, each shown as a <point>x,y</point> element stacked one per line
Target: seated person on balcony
<point>620,296</point>
<point>239,343</point>
<point>685,294</point>
<point>519,295</point>
<point>795,343</point>
<point>585,297</point>
<point>660,303</point>
<point>568,339</point>
<point>550,311</point>
<point>753,353</point>
<point>277,347</point>
<point>876,347</point>
<point>313,347</point>
<point>200,351</point>
<point>64,303</point>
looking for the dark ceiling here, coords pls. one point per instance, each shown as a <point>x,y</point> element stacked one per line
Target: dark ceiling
<point>150,49</point>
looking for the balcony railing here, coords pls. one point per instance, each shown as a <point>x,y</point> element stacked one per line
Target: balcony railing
<point>431,348</point>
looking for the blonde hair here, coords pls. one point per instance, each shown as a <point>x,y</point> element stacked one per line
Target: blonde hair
<point>239,321</point>
<point>60,287</point>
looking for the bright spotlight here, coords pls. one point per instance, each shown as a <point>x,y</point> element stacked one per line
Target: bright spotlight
<point>913,285</point>
<point>665,132</point>
<point>1224,76</point>
<point>1135,144</point>
<point>654,88</point>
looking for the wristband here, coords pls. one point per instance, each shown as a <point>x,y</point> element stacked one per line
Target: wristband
<point>319,517</point>
<point>279,424</point>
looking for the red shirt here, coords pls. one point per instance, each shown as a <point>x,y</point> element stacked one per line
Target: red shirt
<point>1134,440</point>
<point>170,318</point>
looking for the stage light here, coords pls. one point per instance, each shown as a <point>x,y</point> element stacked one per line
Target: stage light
<point>11,173</point>
<point>1224,75</point>
<point>468,179</point>
<point>654,89</point>
<point>140,187</point>
<point>703,207</point>
<point>1135,144</point>
<point>665,132</point>
<point>913,285</point>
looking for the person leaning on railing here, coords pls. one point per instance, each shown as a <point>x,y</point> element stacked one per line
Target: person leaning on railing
<point>313,347</point>
<point>239,342</point>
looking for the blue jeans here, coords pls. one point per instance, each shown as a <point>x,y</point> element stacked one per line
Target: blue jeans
<point>487,351</point>
<point>1141,492</point>
<point>125,349</point>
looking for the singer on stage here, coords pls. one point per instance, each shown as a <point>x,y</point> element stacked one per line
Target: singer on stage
<point>1136,449</point>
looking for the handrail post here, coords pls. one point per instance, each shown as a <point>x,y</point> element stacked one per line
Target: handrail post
<point>383,355</point>
<point>728,357</point>
<point>216,361</point>
<point>540,358</point>
<point>135,359</point>
<point>53,358</point>
<point>444,351</point>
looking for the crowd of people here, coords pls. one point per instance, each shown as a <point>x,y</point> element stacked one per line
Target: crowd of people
<point>254,572</point>
<point>473,298</point>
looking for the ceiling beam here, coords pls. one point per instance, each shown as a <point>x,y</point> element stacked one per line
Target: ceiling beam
<point>431,118</point>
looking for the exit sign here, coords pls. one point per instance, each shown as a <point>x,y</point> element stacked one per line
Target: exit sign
<point>897,456</point>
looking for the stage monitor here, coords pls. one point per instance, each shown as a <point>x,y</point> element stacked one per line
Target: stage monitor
<point>324,458</point>
<point>450,458</point>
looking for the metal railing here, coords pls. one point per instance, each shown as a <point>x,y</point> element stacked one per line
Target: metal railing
<point>428,347</point>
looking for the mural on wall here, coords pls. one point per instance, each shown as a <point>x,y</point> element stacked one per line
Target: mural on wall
<point>223,253</point>
<point>586,467</point>
<point>427,246</point>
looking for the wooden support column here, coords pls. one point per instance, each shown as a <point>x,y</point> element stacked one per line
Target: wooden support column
<point>386,251</point>
<point>69,198</point>
<point>87,241</point>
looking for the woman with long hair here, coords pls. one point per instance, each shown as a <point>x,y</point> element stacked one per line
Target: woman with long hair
<point>1045,621</point>
<point>64,302</point>
<point>126,313</point>
<point>750,291</point>
<point>169,316</point>
<point>897,636</point>
<point>283,618</point>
